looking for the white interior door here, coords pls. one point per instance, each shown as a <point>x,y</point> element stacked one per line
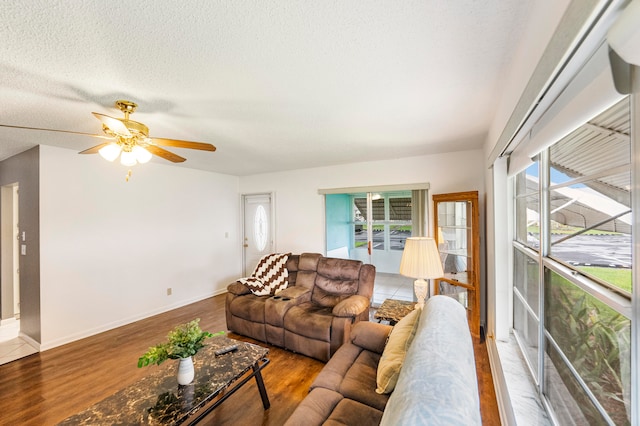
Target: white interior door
<point>258,229</point>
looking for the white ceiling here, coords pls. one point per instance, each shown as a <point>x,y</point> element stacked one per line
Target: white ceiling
<point>274,84</point>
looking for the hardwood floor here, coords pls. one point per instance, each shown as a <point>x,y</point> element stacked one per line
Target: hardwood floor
<point>48,387</point>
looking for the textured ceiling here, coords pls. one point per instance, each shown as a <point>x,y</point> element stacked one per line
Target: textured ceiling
<point>275,85</point>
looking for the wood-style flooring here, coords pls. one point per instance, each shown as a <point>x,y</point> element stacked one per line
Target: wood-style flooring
<point>46,388</point>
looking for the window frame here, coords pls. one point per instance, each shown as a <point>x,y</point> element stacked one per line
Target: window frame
<point>616,299</point>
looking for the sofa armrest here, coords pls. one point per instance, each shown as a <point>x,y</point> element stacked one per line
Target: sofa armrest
<point>238,288</point>
<point>371,336</point>
<point>295,294</point>
<point>438,382</point>
<point>352,306</point>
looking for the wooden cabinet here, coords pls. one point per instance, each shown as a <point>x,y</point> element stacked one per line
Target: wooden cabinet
<point>457,235</point>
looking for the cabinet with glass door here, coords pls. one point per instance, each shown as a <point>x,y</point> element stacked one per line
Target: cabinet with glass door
<point>456,221</point>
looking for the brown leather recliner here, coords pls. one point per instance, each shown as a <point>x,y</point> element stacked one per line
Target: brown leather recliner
<point>314,314</point>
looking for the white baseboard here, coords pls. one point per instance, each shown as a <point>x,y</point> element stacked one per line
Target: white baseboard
<point>115,324</point>
<point>30,341</point>
<point>7,321</point>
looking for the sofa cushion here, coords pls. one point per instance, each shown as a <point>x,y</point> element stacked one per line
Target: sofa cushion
<point>336,280</point>
<point>359,382</point>
<point>309,320</point>
<point>325,298</point>
<point>339,269</point>
<point>371,336</point>
<point>336,368</point>
<point>349,412</point>
<point>315,408</point>
<point>270,275</point>
<point>276,307</point>
<point>249,307</point>
<point>395,351</point>
<point>351,371</point>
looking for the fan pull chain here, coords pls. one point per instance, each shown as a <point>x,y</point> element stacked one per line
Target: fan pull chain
<point>128,175</point>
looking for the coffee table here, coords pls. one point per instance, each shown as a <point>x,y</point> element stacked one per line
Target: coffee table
<point>157,399</point>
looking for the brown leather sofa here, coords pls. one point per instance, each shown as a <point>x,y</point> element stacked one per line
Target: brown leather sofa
<point>436,384</point>
<point>314,314</point>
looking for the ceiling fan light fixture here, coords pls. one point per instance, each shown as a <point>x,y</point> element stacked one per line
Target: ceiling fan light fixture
<point>110,152</point>
<point>141,154</point>
<point>128,158</point>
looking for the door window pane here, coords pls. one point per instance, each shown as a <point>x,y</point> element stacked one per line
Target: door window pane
<point>260,228</point>
<point>360,222</point>
<point>454,234</point>
<point>400,220</point>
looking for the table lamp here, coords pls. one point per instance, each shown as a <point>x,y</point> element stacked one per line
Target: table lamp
<point>421,260</point>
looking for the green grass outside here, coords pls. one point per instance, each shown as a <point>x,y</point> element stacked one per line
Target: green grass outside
<point>619,277</point>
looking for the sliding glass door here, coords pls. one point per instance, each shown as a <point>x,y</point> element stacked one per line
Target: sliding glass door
<point>381,224</point>
<point>372,227</point>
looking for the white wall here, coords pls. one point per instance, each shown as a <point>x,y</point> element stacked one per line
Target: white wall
<point>543,20</point>
<point>300,209</point>
<point>110,248</point>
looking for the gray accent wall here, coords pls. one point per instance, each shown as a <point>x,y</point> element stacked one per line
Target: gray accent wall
<point>24,169</point>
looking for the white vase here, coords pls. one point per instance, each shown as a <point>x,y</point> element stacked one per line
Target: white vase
<point>185,371</point>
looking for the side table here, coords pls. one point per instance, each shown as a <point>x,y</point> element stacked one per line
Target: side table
<point>393,310</point>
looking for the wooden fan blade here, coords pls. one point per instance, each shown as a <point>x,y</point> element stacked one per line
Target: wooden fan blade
<point>115,125</point>
<point>42,129</point>
<point>163,153</point>
<point>95,149</point>
<point>183,144</point>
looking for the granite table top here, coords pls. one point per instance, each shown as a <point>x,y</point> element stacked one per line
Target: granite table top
<point>394,310</point>
<point>157,399</point>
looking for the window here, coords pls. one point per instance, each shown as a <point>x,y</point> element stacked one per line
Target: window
<point>528,207</point>
<point>573,254</point>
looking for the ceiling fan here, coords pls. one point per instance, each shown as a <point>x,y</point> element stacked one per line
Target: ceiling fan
<point>129,139</point>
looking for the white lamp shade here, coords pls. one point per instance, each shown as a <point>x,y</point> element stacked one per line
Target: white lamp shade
<point>110,152</point>
<point>421,259</point>
<point>142,155</point>
<point>128,158</point>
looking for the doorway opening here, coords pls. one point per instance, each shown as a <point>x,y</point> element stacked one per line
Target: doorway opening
<point>372,225</point>
<point>10,255</point>
<point>12,346</point>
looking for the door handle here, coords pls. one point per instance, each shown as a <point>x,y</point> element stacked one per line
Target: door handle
<point>369,247</point>
<point>245,245</point>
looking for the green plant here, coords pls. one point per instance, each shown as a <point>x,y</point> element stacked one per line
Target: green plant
<point>596,341</point>
<point>183,341</point>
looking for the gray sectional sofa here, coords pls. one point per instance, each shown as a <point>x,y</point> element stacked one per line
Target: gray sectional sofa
<point>437,383</point>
